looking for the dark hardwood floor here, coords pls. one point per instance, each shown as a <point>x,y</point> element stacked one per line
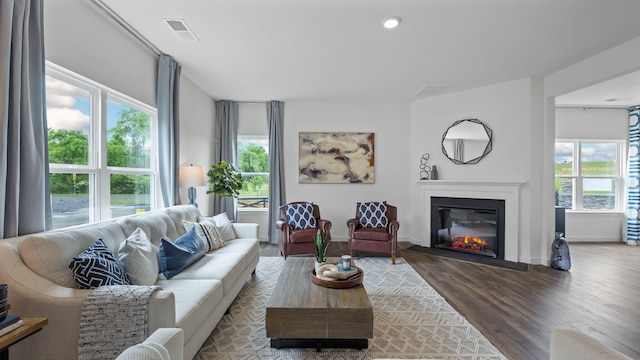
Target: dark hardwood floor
<point>516,310</point>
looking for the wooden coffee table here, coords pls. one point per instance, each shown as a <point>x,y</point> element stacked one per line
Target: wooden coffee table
<point>303,314</point>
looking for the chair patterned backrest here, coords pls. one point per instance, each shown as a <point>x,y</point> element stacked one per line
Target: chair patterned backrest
<point>283,214</point>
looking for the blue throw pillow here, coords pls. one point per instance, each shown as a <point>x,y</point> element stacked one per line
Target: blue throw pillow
<point>97,266</point>
<point>175,256</point>
<point>300,216</point>
<point>373,214</point>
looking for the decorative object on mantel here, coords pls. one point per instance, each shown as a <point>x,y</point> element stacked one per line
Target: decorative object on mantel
<point>321,250</point>
<point>560,257</point>
<point>434,173</point>
<point>425,169</point>
<point>467,141</point>
<point>336,157</point>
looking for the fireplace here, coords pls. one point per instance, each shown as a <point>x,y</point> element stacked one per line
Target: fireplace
<point>469,225</point>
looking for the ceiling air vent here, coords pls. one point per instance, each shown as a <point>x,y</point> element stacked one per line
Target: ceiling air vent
<point>431,90</point>
<point>181,28</point>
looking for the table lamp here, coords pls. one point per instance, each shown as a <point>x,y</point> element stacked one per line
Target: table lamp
<point>192,176</point>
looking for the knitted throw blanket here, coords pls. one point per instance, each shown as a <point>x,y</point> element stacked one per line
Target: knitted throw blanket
<point>113,318</point>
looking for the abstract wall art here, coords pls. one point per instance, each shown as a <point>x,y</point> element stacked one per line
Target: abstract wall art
<point>336,157</point>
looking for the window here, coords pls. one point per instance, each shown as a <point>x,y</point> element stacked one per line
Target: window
<point>102,153</point>
<point>589,174</point>
<point>253,163</point>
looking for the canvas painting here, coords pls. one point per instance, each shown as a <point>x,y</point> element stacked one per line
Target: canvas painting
<point>336,157</point>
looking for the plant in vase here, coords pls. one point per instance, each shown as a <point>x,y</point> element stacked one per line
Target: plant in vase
<point>321,250</point>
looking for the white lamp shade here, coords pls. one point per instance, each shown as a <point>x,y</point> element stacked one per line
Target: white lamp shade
<point>192,176</point>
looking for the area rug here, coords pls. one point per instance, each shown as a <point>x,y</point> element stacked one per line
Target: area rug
<point>411,320</point>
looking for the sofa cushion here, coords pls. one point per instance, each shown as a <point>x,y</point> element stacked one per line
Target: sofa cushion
<point>195,299</point>
<point>300,216</point>
<point>180,213</point>
<point>139,259</point>
<point>48,254</point>
<point>97,266</point>
<point>373,214</point>
<point>156,224</point>
<point>225,267</point>
<point>173,257</point>
<point>207,232</point>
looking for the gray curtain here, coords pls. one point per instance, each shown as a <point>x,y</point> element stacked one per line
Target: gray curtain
<point>168,98</point>
<point>24,163</point>
<point>227,121</point>
<point>275,116</point>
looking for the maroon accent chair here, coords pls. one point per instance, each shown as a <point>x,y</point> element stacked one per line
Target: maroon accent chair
<point>301,241</point>
<point>378,240</point>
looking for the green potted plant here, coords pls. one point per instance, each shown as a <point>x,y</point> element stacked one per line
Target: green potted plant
<point>321,249</point>
<point>224,180</point>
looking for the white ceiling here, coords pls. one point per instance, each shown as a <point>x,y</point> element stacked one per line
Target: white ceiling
<point>337,50</point>
<point>623,91</point>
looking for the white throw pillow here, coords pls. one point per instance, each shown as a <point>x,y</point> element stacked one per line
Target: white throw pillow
<point>208,233</point>
<point>139,258</point>
<point>225,229</point>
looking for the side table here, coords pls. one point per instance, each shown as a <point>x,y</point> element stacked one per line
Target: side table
<point>29,327</point>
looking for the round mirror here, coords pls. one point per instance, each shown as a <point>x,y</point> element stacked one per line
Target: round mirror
<point>467,141</point>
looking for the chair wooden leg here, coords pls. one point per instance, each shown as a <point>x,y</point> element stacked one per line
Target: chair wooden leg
<point>393,259</point>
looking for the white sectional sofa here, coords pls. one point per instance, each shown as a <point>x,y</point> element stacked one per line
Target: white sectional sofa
<point>36,267</point>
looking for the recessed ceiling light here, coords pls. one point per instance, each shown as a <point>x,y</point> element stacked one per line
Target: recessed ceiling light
<point>391,22</point>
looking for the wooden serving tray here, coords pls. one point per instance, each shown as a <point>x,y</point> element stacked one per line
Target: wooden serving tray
<point>339,284</point>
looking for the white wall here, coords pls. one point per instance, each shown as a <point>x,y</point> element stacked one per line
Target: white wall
<point>513,112</point>
<point>389,122</point>
<point>599,124</point>
<point>607,65</point>
<point>80,38</point>
<point>197,137</point>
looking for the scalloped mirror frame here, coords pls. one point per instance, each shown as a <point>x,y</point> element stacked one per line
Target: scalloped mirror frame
<point>477,135</point>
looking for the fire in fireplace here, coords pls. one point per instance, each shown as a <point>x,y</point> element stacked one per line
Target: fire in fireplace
<point>469,225</point>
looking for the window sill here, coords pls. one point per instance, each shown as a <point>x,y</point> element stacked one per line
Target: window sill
<point>595,212</point>
<point>253,210</point>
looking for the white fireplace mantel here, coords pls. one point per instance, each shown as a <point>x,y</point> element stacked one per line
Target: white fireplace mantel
<point>507,190</point>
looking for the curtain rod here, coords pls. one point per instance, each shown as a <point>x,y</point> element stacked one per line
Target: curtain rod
<point>120,21</point>
<point>595,107</point>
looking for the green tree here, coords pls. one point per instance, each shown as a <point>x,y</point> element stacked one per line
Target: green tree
<point>253,158</point>
<point>128,147</point>
<point>68,147</point>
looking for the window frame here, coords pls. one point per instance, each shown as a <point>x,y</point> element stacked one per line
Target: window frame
<point>577,178</point>
<point>99,188</point>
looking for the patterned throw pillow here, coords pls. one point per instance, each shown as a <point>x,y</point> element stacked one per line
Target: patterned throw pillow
<point>300,216</point>
<point>97,266</point>
<point>373,214</point>
<point>208,233</point>
<point>176,256</point>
